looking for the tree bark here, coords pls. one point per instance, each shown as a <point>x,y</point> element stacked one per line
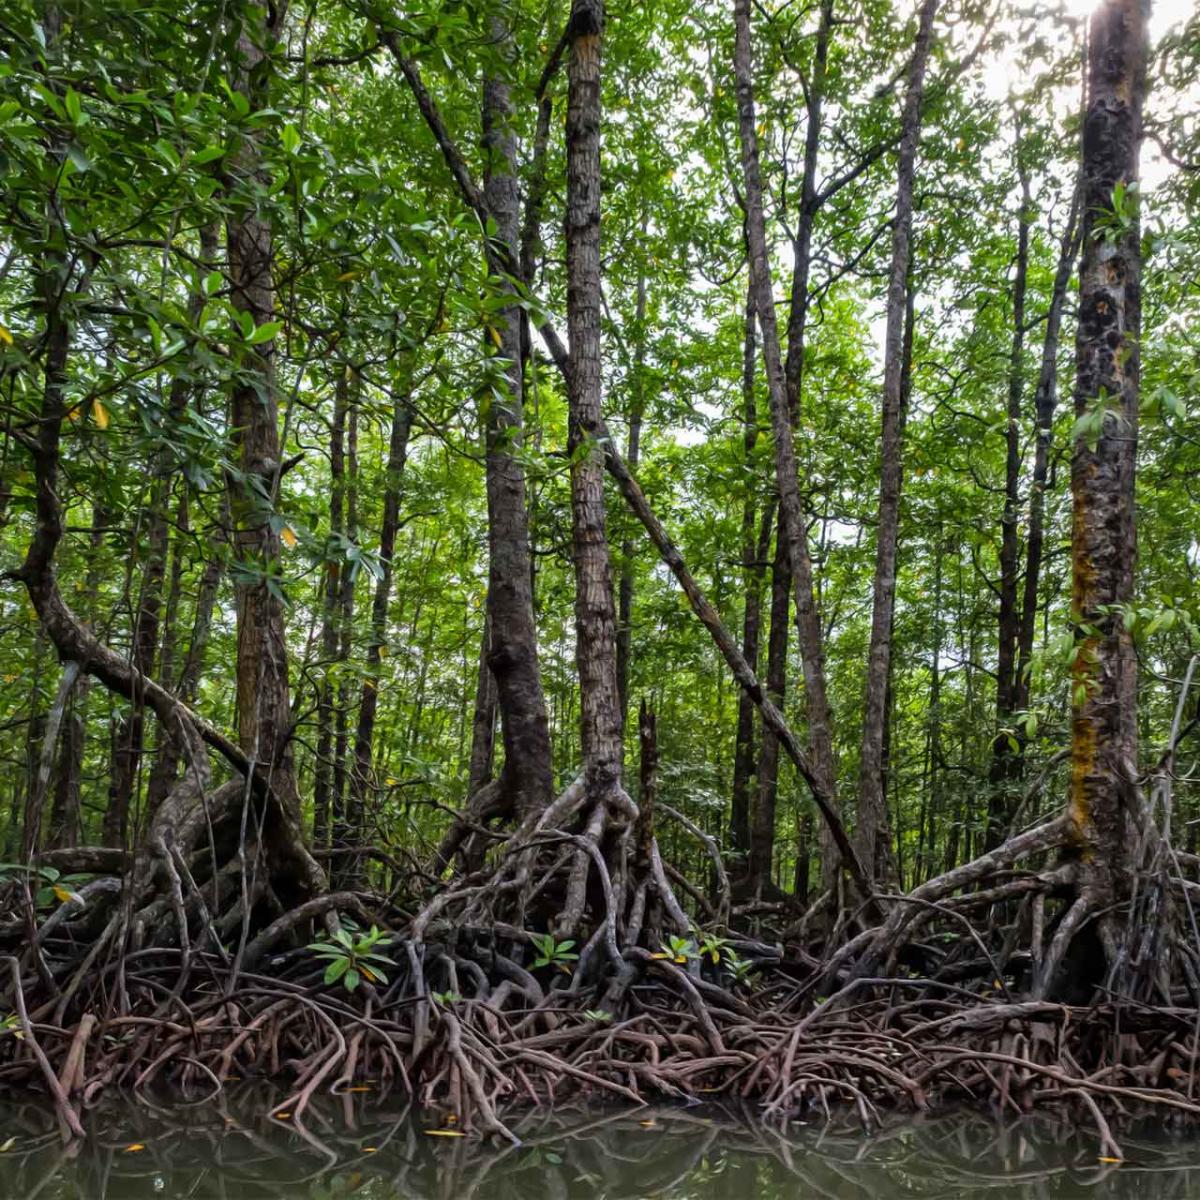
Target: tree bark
<point>595,613</point>
<point>1103,535</point>
<point>871,835</point>
<point>263,703</point>
<point>513,654</point>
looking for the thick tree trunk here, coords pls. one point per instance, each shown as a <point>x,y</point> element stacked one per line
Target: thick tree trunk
<point>871,835</point>
<point>1103,537</point>
<point>595,613</point>
<point>513,655</point>
<point>1005,766</point>
<point>263,702</point>
<point>483,720</point>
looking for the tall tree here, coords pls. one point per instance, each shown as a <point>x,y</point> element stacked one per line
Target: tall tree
<point>1104,735</point>
<point>871,832</point>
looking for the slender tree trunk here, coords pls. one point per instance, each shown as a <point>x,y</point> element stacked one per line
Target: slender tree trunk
<point>483,722</point>
<point>793,524</point>
<point>1103,536</point>
<point>263,702</point>
<point>330,587</point>
<point>752,582</point>
<point>1005,767</point>
<point>871,835</point>
<point>632,457</point>
<point>346,830</point>
<point>595,613</point>
<point>762,829</point>
<point>364,738</point>
<point>1045,400</point>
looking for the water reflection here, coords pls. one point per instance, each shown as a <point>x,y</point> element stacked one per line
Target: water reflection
<point>354,1145</point>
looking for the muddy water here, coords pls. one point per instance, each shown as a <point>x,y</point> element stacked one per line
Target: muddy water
<point>355,1146</point>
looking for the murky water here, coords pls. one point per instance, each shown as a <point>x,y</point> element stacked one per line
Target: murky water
<point>354,1146</point>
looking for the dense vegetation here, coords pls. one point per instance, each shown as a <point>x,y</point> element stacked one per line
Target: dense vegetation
<point>385,395</point>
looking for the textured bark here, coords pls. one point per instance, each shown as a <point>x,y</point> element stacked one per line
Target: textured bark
<point>871,835</point>
<point>1005,766</point>
<point>595,612</point>
<point>263,703</point>
<point>1103,536</point>
<point>513,655</point>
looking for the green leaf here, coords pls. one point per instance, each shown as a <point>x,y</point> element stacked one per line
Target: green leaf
<point>336,970</point>
<point>264,333</point>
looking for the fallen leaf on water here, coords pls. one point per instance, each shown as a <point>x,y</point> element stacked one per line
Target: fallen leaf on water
<point>444,1133</point>
<point>369,1149</point>
<point>359,1089</point>
<point>281,1116</point>
<point>648,1124</point>
<point>1110,1160</point>
<point>5,1147</point>
<point>135,1147</point>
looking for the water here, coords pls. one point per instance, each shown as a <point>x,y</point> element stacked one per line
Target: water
<point>355,1146</point>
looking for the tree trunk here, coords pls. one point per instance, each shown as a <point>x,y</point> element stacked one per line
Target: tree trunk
<point>632,457</point>
<point>793,524</point>
<point>871,835</point>
<point>330,584</point>
<point>263,703</point>
<point>513,655</point>
<point>1103,536</point>
<point>1045,400</point>
<point>364,738</point>
<point>752,582</point>
<point>762,829</point>
<point>1005,766</point>
<point>595,614</point>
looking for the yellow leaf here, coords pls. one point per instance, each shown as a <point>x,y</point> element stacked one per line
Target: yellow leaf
<point>648,1124</point>
<point>64,894</point>
<point>73,414</point>
<point>360,1089</point>
<point>346,276</point>
<point>368,973</point>
<point>5,1147</point>
<point>100,414</point>
<point>660,955</point>
<point>383,651</point>
<point>288,535</point>
<point>1111,1160</point>
<point>369,1149</point>
<point>135,1147</point>
<point>281,1116</point>
<point>444,1133</point>
<point>494,334</point>
<point>5,336</point>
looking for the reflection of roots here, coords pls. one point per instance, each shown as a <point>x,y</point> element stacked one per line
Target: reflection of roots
<point>954,994</point>
<point>231,1147</point>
